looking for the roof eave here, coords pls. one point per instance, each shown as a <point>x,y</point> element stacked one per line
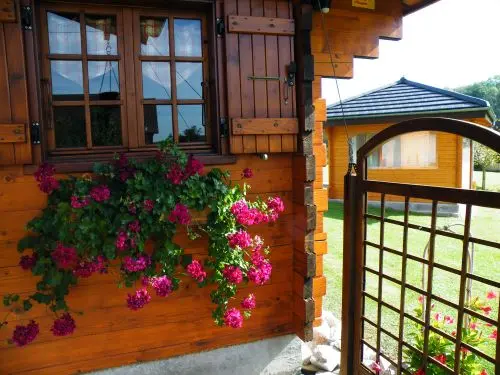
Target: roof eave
<point>407,9</point>
<point>486,110</point>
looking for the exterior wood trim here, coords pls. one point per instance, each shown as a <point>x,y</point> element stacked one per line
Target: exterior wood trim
<point>261,25</point>
<point>264,126</point>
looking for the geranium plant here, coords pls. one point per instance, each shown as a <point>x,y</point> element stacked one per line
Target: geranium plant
<point>126,215</point>
<point>474,333</point>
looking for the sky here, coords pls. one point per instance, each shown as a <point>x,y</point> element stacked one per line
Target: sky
<point>448,44</point>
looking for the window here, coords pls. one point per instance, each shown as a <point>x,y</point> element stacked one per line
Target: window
<point>414,150</point>
<point>124,79</point>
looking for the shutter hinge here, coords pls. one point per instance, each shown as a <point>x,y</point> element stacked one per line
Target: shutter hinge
<point>224,131</point>
<point>27,17</point>
<point>35,133</point>
<point>220,26</point>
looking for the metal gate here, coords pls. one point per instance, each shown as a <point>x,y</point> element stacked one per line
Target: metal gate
<point>413,348</point>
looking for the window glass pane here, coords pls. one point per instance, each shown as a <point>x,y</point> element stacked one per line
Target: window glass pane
<point>104,82</point>
<point>106,125</point>
<point>101,35</point>
<point>69,124</point>
<point>154,36</point>
<point>64,33</point>
<point>189,80</point>
<point>157,123</point>
<point>67,80</point>
<point>187,34</point>
<point>156,80</point>
<point>191,124</point>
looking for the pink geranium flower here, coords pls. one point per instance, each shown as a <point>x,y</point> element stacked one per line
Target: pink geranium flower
<point>180,214</point>
<point>448,319</point>
<point>233,274</point>
<point>100,193</point>
<point>247,173</point>
<point>241,239</point>
<point>249,302</point>
<point>63,326</point>
<point>148,204</point>
<point>27,262</point>
<point>162,285</point>
<point>175,174</point>
<point>486,310</point>
<point>196,271</point>
<point>138,300</point>
<point>65,257</point>
<point>23,335</point>
<point>194,166</point>
<point>233,318</point>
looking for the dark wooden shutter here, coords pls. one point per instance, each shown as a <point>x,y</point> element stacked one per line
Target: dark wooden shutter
<point>15,144</point>
<point>259,43</point>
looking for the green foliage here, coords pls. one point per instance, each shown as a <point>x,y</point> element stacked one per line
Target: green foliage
<point>488,90</point>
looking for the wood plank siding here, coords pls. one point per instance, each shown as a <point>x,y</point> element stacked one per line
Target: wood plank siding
<point>448,171</point>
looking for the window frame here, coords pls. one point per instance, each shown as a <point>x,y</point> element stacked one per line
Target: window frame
<point>213,151</point>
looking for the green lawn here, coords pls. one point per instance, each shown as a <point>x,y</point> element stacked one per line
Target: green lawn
<point>447,251</point>
<point>492,180</point>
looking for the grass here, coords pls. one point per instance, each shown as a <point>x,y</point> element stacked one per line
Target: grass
<point>492,180</point>
<point>447,251</point>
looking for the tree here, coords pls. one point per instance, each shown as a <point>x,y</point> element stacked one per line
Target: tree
<point>484,157</point>
<point>488,90</point>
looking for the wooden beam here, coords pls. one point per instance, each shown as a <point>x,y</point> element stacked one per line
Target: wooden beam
<point>245,126</point>
<point>261,25</point>
<point>12,133</point>
<point>7,11</point>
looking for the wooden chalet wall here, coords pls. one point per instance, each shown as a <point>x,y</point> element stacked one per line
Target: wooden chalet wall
<point>449,161</point>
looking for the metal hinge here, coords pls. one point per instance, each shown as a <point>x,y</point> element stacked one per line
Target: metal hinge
<point>220,26</point>
<point>27,17</point>
<point>35,133</point>
<point>224,131</point>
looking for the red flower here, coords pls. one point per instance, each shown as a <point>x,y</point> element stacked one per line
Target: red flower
<point>421,299</point>
<point>448,319</point>
<point>23,335</point>
<point>196,271</point>
<point>247,173</point>
<point>494,335</point>
<point>420,371</point>
<point>483,372</point>
<point>180,214</point>
<point>148,204</point>
<point>63,326</point>
<point>138,300</point>
<point>44,175</point>
<point>438,316</point>
<point>441,358</point>
<point>27,262</point>
<point>491,295</point>
<point>65,257</point>
<point>233,274</point>
<point>100,193</point>
<point>193,166</point>
<point>486,310</point>
<point>79,203</point>
<point>134,226</point>
<point>241,239</point>
<point>121,242</point>
<point>249,302</point>
<point>233,318</point>
<point>473,326</point>
<point>175,174</point>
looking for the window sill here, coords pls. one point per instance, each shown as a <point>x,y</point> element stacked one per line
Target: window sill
<point>82,164</point>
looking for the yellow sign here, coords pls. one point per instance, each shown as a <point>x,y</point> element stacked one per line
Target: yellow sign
<point>368,4</point>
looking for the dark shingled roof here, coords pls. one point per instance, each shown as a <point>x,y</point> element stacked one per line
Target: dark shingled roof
<point>407,98</point>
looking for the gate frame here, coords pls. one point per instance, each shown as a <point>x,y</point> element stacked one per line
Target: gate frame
<point>356,186</point>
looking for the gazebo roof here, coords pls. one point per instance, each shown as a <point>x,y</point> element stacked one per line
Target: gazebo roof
<point>406,98</point>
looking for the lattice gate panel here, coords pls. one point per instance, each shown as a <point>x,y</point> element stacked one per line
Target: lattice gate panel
<point>416,309</point>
